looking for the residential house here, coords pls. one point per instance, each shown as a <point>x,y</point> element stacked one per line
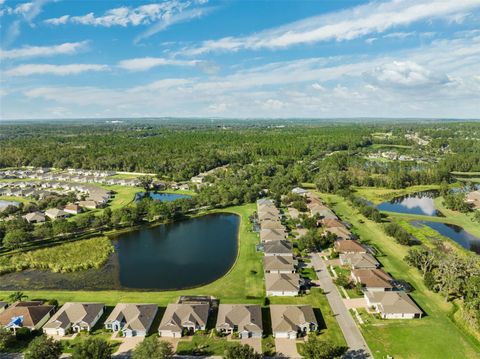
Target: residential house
<point>3,306</point>
<point>183,318</point>
<point>272,224</point>
<point>55,213</point>
<point>268,214</point>
<point>348,246</point>
<point>267,235</point>
<point>132,319</point>
<point>35,217</point>
<point>473,198</point>
<point>292,321</point>
<point>372,279</point>
<point>244,319</point>
<point>393,305</point>
<point>32,315</point>
<point>279,264</point>
<point>73,208</point>
<point>88,204</point>
<point>341,233</point>
<point>359,260</point>
<point>300,191</point>
<point>278,248</point>
<point>282,284</point>
<point>75,317</point>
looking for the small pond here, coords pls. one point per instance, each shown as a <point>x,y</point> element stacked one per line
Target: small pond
<point>417,203</point>
<point>4,204</point>
<point>455,233</point>
<point>173,256</point>
<point>161,196</point>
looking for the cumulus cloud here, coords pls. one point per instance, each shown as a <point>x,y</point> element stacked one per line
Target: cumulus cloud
<point>47,69</point>
<point>67,48</point>
<point>405,74</point>
<point>375,17</point>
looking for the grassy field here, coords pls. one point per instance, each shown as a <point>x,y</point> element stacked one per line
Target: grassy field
<point>436,335</point>
<point>386,145</point>
<point>16,199</point>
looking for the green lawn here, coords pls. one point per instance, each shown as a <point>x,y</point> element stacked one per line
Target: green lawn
<point>16,199</point>
<point>435,336</point>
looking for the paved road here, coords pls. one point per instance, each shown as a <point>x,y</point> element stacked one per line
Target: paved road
<point>357,346</point>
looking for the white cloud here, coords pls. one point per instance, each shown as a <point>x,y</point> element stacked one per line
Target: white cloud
<point>375,17</point>
<point>147,63</point>
<point>62,20</point>
<point>67,48</point>
<point>399,35</point>
<point>47,69</point>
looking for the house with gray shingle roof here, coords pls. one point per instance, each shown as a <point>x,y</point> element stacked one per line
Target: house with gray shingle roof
<point>267,235</point>
<point>279,264</point>
<point>183,318</point>
<point>278,248</point>
<point>75,317</point>
<point>359,260</point>
<point>393,305</point>
<point>292,321</point>
<point>131,319</point>
<point>282,284</point>
<point>35,217</point>
<point>245,319</point>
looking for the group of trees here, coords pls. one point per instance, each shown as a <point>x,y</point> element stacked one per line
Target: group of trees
<point>401,235</point>
<point>452,275</point>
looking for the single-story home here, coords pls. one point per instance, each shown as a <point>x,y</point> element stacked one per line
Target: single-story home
<point>35,217</point>
<point>292,321</point>
<point>74,316</point>
<point>244,319</point>
<point>332,223</point>
<point>267,235</point>
<point>268,214</point>
<point>73,208</point>
<point>183,318</point>
<point>131,319</point>
<point>88,204</point>
<point>348,246</point>
<point>278,248</point>
<point>340,232</point>
<point>372,279</point>
<point>393,305</point>
<point>282,284</point>
<point>272,224</point>
<point>279,264</point>
<point>359,260</point>
<point>31,315</point>
<point>55,213</point>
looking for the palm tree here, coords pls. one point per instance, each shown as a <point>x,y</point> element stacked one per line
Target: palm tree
<point>17,297</point>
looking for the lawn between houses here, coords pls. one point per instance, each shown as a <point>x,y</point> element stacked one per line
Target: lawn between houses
<point>436,335</point>
<point>244,283</point>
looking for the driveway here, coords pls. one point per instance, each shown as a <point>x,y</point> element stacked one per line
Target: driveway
<point>286,348</point>
<point>255,343</point>
<point>357,346</point>
<point>126,347</point>
<point>355,303</point>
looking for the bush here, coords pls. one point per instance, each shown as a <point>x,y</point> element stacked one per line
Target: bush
<point>43,347</point>
<point>401,235</point>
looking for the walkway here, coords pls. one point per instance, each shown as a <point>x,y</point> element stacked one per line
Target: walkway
<point>357,346</point>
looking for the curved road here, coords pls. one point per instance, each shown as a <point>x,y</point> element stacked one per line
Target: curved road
<point>358,348</point>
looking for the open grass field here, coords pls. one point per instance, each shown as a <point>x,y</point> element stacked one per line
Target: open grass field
<point>435,336</point>
<point>15,199</point>
<point>123,195</point>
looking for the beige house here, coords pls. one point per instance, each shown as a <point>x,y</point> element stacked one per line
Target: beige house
<point>282,285</point>
<point>74,317</point>
<point>72,208</point>
<point>341,232</point>
<point>278,248</point>
<point>55,213</point>
<point>279,264</point>
<point>32,315</point>
<point>292,321</point>
<point>393,305</point>
<point>272,224</point>
<point>180,318</point>
<point>359,260</point>
<point>372,279</point>
<point>473,198</point>
<point>244,319</point>
<point>88,204</point>
<point>35,217</point>
<point>267,235</point>
<point>348,246</point>
<point>131,319</point>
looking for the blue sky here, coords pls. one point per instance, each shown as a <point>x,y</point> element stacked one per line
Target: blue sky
<point>317,58</point>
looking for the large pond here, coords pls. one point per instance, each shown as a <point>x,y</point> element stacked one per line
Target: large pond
<point>173,256</point>
<point>417,203</point>
<point>162,196</point>
<point>456,233</point>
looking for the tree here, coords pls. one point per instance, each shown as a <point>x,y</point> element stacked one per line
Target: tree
<point>15,238</point>
<point>315,348</point>
<point>92,348</point>
<point>17,297</point>
<point>43,347</point>
<point>241,352</point>
<point>6,339</point>
<point>422,258</point>
<point>146,182</point>
<point>151,347</point>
